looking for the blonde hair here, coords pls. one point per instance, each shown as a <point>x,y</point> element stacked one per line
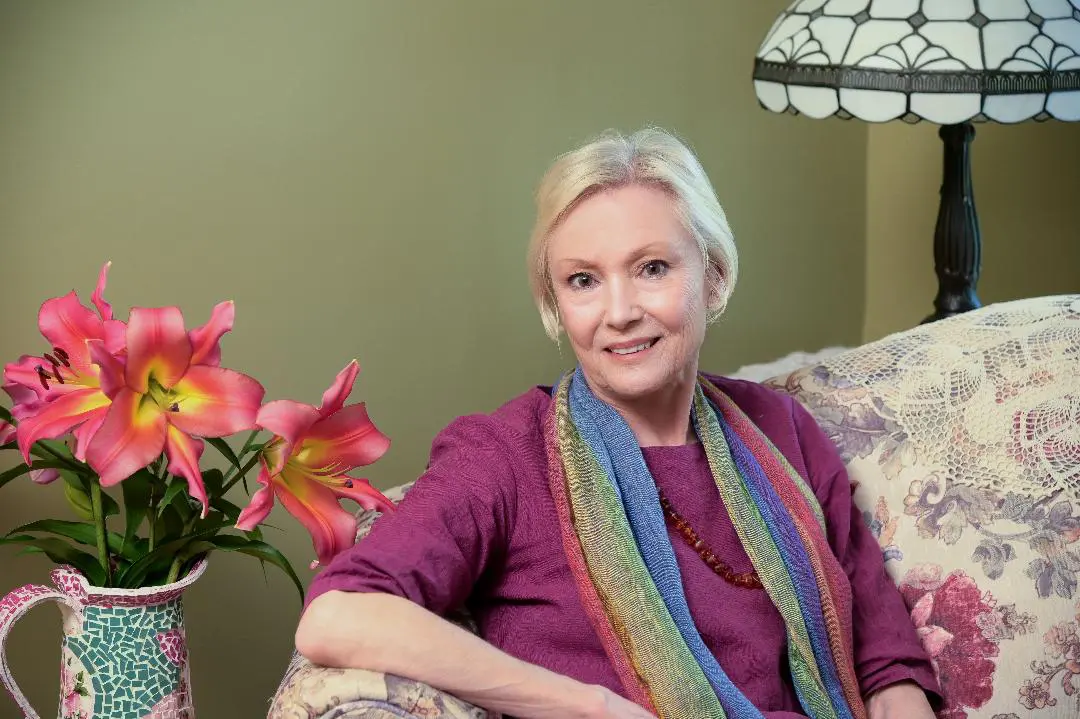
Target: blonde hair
<point>649,157</point>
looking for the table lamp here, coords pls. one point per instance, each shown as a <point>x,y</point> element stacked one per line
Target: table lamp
<point>949,62</point>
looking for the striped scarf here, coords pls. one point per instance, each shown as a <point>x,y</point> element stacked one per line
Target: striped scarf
<point>616,541</point>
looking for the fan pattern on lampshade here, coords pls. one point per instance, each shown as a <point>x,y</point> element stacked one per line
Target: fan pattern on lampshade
<point>944,61</point>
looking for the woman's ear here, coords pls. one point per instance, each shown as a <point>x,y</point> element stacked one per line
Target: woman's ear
<point>714,289</point>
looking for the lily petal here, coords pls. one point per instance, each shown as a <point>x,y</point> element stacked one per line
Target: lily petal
<point>25,402</point>
<point>289,420</point>
<point>363,494</point>
<point>44,476</point>
<point>86,431</point>
<point>111,371</point>
<point>56,418</point>
<point>23,373</point>
<point>7,431</point>
<point>67,324</point>
<point>184,453</point>
<point>131,437</point>
<point>116,337</point>
<point>214,402</point>
<point>19,393</point>
<point>258,509</point>
<point>316,507</point>
<point>98,298</point>
<point>334,398</point>
<point>343,440</point>
<point>206,340</point>
<point>157,346</point>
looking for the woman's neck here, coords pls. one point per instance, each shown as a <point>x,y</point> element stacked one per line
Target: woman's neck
<point>663,419</point>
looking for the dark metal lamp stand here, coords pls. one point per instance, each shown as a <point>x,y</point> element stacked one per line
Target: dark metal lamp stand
<point>957,245</point>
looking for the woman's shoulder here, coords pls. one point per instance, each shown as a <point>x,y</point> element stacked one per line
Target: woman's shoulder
<point>514,427</point>
<point>752,397</point>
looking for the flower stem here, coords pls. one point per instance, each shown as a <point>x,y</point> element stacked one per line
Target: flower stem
<point>177,562</point>
<point>247,467</point>
<point>174,571</point>
<point>99,528</point>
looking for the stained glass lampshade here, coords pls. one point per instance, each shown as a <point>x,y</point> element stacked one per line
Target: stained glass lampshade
<point>949,62</point>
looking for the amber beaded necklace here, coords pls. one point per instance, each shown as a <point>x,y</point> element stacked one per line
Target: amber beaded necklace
<point>745,580</point>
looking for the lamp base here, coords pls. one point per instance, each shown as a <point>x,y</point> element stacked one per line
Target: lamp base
<point>957,242</point>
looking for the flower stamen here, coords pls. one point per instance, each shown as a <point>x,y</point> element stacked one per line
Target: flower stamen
<point>62,355</point>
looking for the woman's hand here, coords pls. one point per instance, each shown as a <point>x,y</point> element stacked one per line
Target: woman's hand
<point>905,700</point>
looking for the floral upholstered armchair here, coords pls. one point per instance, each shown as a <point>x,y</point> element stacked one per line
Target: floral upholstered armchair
<point>962,441</point>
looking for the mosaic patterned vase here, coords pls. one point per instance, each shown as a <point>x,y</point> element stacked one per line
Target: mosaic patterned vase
<point>124,654</point>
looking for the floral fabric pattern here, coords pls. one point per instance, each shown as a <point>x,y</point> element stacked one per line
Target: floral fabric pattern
<point>990,576</point>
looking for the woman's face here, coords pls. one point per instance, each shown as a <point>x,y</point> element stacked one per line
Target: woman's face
<point>629,283</point>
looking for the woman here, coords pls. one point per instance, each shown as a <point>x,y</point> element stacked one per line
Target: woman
<point>641,539</point>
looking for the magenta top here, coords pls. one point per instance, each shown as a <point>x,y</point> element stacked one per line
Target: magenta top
<point>479,530</point>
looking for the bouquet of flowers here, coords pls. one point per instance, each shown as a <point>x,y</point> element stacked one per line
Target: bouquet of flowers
<point>120,412</point>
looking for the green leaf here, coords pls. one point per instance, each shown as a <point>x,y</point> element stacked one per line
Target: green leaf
<point>160,559</point>
<point>226,451</point>
<point>61,552</point>
<point>213,520</point>
<point>227,508</point>
<point>137,490</point>
<point>232,543</point>
<point>77,493</point>
<point>79,500</point>
<point>13,444</point>
<point>5,414</point>
<point>20,470</point>
<point>170,525</point>
<point>176,497</point>
<point>56,451</point>
<point>213,479</point>
<point>80,532</point>
<point>174,488</point>
<point>81,485</point>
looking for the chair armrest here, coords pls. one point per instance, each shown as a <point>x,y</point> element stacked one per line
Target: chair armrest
<point>309,691</point>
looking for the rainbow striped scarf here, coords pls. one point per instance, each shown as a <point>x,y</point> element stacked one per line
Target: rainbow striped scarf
<point>617,544</point>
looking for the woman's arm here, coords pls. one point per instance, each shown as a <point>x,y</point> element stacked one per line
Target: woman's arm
<point>905,700</point>
<point>379,605</point>
<point>390,634</point>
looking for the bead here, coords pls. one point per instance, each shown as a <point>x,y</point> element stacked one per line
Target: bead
<point>747,580</point>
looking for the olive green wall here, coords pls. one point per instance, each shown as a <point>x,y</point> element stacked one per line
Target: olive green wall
<point>357,176</point>
<point>1026,180</point>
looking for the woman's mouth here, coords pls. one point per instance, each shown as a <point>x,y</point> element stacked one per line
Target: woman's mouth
<point>635,347</point>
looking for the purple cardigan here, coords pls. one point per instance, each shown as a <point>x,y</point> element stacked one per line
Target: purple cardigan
<point>479,529</point>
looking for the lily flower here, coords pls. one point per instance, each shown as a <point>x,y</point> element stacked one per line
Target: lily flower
<point>305,465</point>
<point>165,393</point>
<point>59,391</point>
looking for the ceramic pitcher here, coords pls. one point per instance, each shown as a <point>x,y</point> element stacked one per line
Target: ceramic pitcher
<point>124,654</point>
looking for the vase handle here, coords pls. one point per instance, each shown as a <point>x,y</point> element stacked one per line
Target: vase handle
<point>12,607</point>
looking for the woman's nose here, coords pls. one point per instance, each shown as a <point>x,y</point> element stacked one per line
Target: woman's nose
<point>623,307</point>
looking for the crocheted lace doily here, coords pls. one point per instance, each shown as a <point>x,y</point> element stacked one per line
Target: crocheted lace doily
<point>993,394</point>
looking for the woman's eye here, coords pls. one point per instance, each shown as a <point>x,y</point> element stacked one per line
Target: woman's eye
<point>580,281</point>
<point>655,268</point>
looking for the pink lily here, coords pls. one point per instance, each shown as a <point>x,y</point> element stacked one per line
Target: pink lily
<point>26,403</point>
<point>59,391</point>
<point>162,395</point>
<point>305,465</point>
